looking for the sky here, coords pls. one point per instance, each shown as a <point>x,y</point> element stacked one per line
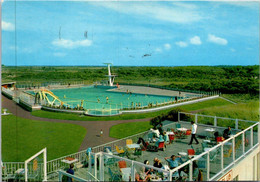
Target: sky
<point>130,33</point>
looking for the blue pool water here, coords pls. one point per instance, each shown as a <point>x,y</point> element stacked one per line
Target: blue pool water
<point>101,99</point>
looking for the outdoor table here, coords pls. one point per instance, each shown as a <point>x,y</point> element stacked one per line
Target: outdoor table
<point>182,153</point>
<point>169,133</point>
<point>206,149</point>
<point>182,129</point>
<point>126,172</point>
<point>207,141</point>
<point>133,146</point>
<point>69,160</point>
<point>210,131</point>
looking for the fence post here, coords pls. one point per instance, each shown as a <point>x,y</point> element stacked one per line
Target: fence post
<point>215,121</point>
<point>178,116</point>
<point>251,138</point>
<point>101,167</point>
<point>236,126</point>
<point>95,165</point>
<point>233,149</point>
<point>133,171</point>
<point>243,143</point>
<point>208,167</point>
<point>196,118</point>
<point>222,157</point>
<point>190,171</point>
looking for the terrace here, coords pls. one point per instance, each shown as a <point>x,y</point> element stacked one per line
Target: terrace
<point>211,158</point>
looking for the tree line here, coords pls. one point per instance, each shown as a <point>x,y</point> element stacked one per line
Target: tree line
<point>226,79</point>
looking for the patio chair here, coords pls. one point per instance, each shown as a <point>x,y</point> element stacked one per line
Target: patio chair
<point>138,152</point>
<point>109,149</point>
<point>220,139</point>
<point>114,176</point>
<point>177,125</point>
<point>120,151</point>
<point>204,145</point>
<point>129,141</point>
<point>171,138</point>
<point>191,152</point>
<point>161,146</point>
<point>122,164</point>
<point>188,132</point>
<point>145,146</point>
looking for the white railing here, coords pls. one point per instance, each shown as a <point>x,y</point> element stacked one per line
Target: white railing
<point>198,119</point>
<point>248,137</point>
<point>8,92</point>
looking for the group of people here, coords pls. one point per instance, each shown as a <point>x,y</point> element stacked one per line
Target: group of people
<point>173,162</point>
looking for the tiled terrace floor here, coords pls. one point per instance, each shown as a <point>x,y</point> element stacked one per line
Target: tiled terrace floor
<point>173,149</point>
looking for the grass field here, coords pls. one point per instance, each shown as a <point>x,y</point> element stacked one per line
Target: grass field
<point>21,138</point>
<point>76,117</point>
<point>128,129</point>
<point>247,109</point>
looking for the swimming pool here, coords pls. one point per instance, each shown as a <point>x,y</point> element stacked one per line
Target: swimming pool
<point>99,100</point>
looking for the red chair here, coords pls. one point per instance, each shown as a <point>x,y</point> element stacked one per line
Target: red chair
<point>122,164</point>
<point>171,138</point>
<point>188,132</point>
<point>220,139</point>
<point>145,146</point>
<point>191,152</point>
<point>161,146</point>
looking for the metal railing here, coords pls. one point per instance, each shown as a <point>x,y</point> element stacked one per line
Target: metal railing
<point>248,139</point>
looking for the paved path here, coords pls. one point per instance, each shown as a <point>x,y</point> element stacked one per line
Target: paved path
<point>93,128</point>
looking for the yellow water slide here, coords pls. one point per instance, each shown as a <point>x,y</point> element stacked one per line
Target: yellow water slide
<point>43,95</point>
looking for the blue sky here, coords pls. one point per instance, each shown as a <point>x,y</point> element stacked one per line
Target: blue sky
<point>130,33</point>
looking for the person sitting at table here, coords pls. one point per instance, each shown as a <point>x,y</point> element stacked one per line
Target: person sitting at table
<point>227,133</point>
<point>165,137</point>
<point>160,128</point>
<point>159,140</point>
<point>172,162</point>
<point>70,171</point>
<point>146,170</point>
<point>155,131</point>
<point>157,163</point>
<point>139,178</point>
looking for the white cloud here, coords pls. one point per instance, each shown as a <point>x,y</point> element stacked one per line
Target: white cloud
<point>70,44</point>
<point>195,40</point>
<point>7,26</point>
<point>181,44</point>
<point>175,13</point>
<point>59,54</point>
<point>158,50</point>
<point>167,46</point>
<point>217,40</point>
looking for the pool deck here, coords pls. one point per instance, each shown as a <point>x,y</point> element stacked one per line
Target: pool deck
<point>148,90</point>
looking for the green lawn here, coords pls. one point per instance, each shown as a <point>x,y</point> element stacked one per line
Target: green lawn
<point>245,111</point>
<point>21,138</point>
<point>76,117</point>
<point>126,129</point>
